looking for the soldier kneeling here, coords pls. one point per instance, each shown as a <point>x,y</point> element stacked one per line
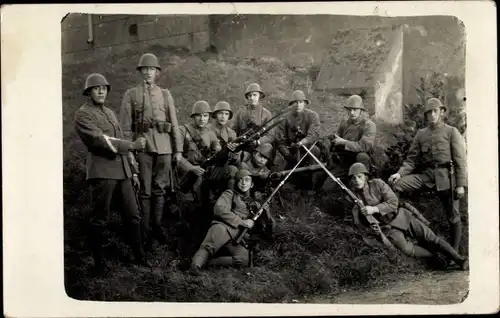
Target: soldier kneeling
<point>232,212</point>
<point>398,224</point>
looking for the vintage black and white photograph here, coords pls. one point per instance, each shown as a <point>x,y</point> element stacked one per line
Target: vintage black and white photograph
<point>222,159</point>
<point>265,158</point>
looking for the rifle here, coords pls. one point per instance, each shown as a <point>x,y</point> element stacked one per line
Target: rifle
<point>373,222</point>
<point>301,169</point>
<point>222,156</point>
<point>451,170</point>
<point>262,207</point>
<point>256,128</point>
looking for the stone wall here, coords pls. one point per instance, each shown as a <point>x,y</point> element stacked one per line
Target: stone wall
<point>114,33</point>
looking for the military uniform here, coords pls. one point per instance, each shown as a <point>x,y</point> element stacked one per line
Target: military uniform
<point>149,111</point>
<point>250,115</point>
<point>399,224</point>
<point>108,171</point>
<point>433,148</point>
<point>298,127</point>
<point>231,209</point>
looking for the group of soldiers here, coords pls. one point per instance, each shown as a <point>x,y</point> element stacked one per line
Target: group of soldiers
<point>225,162</point>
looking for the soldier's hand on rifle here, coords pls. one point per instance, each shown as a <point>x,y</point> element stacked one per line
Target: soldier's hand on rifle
<point>232,146</point>
<point>394,178</point>
<point>139,143</point>
<point>199,171</point>
<point>369,210</point>
<point>135,181</point>
<point>459,192</point>
<point>178,157</point>
<point>338,141</point>
<point>248,223</point>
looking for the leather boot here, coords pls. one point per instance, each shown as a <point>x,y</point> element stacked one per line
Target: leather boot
<point>456,235</point>
<point>451,253</point>
<point>146,221</point>
<point>95,242</point>
<point>136,245</point>
<point>159,233</point>
<point>199,260</point>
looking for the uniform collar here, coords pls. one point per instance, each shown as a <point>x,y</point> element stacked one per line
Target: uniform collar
<point>91,103</point>
<point>436,126</point>
<point>356,121</point>
<point>250,106</point>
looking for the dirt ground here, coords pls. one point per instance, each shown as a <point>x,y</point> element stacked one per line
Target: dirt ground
<point>429,288</point>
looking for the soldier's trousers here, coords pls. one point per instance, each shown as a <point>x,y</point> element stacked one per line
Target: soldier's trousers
<point>417,231</point>
<point>414,182</point>
<point>217,238</point>
<point>155,175</point>
<point>102,192</point>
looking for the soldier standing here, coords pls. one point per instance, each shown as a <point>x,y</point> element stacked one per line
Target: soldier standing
<point>149,111</point>
<point>434,147</point>
<point>231,214</point>
<point>198,143</point>
<point>300,127</point>
<point>399,224</point>
<point>108,169</point>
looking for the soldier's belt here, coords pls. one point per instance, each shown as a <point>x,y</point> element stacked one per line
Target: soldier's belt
<point>161,126</point>
<point>439,165</point>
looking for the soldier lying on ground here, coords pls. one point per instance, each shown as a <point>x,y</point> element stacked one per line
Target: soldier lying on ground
<point>397,223</point>
<point>108,170</point>
<point>433,148</point>
<point>300,127</point>
<point>148,110</point>
<point>232,212</point>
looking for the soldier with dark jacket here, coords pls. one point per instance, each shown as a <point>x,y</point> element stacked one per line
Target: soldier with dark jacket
<point>300,127</point>
<point>433,148</point>
<point>398,223</point>
<point>148,110</point>
<point>108,169</point>
<point>232,213</point>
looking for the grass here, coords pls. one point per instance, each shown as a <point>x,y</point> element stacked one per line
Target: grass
<point>312,254</point>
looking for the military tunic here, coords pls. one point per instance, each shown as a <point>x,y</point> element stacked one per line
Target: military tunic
<point>108,170</point>
<point>144,108</point>
<point>247,115</point>
<point>432,149</point>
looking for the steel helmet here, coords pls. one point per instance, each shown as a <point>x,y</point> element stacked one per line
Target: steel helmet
<point>433,103</point>
<point>200,107</point>
<point>254,87</point>
<point>355,102</point>
<point>222,106</point>
<point>356,168</point>
<point>241,174</point>
<point>266,150</point>
<point>148,60</point>
<point>95,80</point>
<point>298,96</point>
